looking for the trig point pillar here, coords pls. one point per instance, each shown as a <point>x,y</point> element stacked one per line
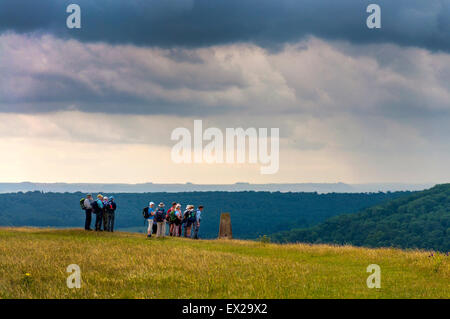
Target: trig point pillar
<point>225,226</point>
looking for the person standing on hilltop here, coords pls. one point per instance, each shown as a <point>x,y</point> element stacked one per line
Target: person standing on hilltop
<point>98,210</point>
<point>188,218</point>
<point>198,218</point>
<point>105,213</point>
<point>150,219</point>
<point>111,212</point>
<point>160,217</point>
<point>177,222</point>
<point>88,210</point>
<point>171,218</point>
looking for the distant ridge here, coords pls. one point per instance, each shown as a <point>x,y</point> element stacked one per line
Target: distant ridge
<point>189,187</point>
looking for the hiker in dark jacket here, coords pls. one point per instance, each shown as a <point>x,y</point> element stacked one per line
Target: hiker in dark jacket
<point>98,210</point>
<point>105,213</point>
<point>111,207</point>
<point>160,218</point>
<point>188,220</point>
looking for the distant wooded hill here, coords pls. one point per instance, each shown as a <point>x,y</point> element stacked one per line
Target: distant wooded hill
<point>190,187</point>
<point>419,220</point>
<point>252,213</point>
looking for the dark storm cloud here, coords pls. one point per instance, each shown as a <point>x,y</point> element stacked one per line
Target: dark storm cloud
<point>315,77</point>
<point>268,23</point>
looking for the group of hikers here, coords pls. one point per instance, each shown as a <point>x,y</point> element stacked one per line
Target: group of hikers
<point>104,209</point>
<point>158,218</point>
<point>180,223</point>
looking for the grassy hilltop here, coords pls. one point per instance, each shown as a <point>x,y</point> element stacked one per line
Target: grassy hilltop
<point>33,264</point>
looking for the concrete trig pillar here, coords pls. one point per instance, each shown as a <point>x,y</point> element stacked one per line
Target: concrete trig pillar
<point>225,226</point>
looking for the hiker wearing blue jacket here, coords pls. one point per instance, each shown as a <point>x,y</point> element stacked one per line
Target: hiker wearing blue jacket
<point>98,209</point>
<point>160,218</point>
<point>198,218</point>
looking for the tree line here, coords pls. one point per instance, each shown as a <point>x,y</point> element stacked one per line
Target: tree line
<point>253,214</point>
<point>418,220</point>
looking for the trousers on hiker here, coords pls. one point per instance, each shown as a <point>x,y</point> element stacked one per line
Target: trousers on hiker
<point>171,228</point>
<point>98,220</point>
<point>150,226</point>
<point>187,229</point>
<point>196,229</point>
<point>110,216</point>
<point>161,231</point>
<point>105,220</point>
<point>87,223</point>
<point>176,230</point>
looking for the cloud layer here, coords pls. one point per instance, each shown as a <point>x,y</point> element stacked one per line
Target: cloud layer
<point>267,23</point>
<point>312,77</point>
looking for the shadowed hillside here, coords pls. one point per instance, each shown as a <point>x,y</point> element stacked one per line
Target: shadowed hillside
<point>420,220</point>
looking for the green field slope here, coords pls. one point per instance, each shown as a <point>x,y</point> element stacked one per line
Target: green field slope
<point>33,264</point>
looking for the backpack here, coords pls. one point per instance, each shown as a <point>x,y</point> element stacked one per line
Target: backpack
<point>145,213</point>
<point>160,215</point>
<point>82,204</point>
<point>185,216</point>
<point>95,206</point>
<point>192,216</point>
<point>168,214</point>
<point>172,216</point>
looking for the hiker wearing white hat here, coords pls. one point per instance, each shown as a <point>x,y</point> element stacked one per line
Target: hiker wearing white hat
<point>178,215</point>
<point>188,218</point>
<point>151,216</point>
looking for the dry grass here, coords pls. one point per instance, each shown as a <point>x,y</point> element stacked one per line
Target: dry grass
<point>127,265</point>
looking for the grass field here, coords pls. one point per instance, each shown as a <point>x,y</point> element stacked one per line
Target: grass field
<point>33,264</point>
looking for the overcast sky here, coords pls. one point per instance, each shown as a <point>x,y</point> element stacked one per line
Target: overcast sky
<point>99,104</point>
